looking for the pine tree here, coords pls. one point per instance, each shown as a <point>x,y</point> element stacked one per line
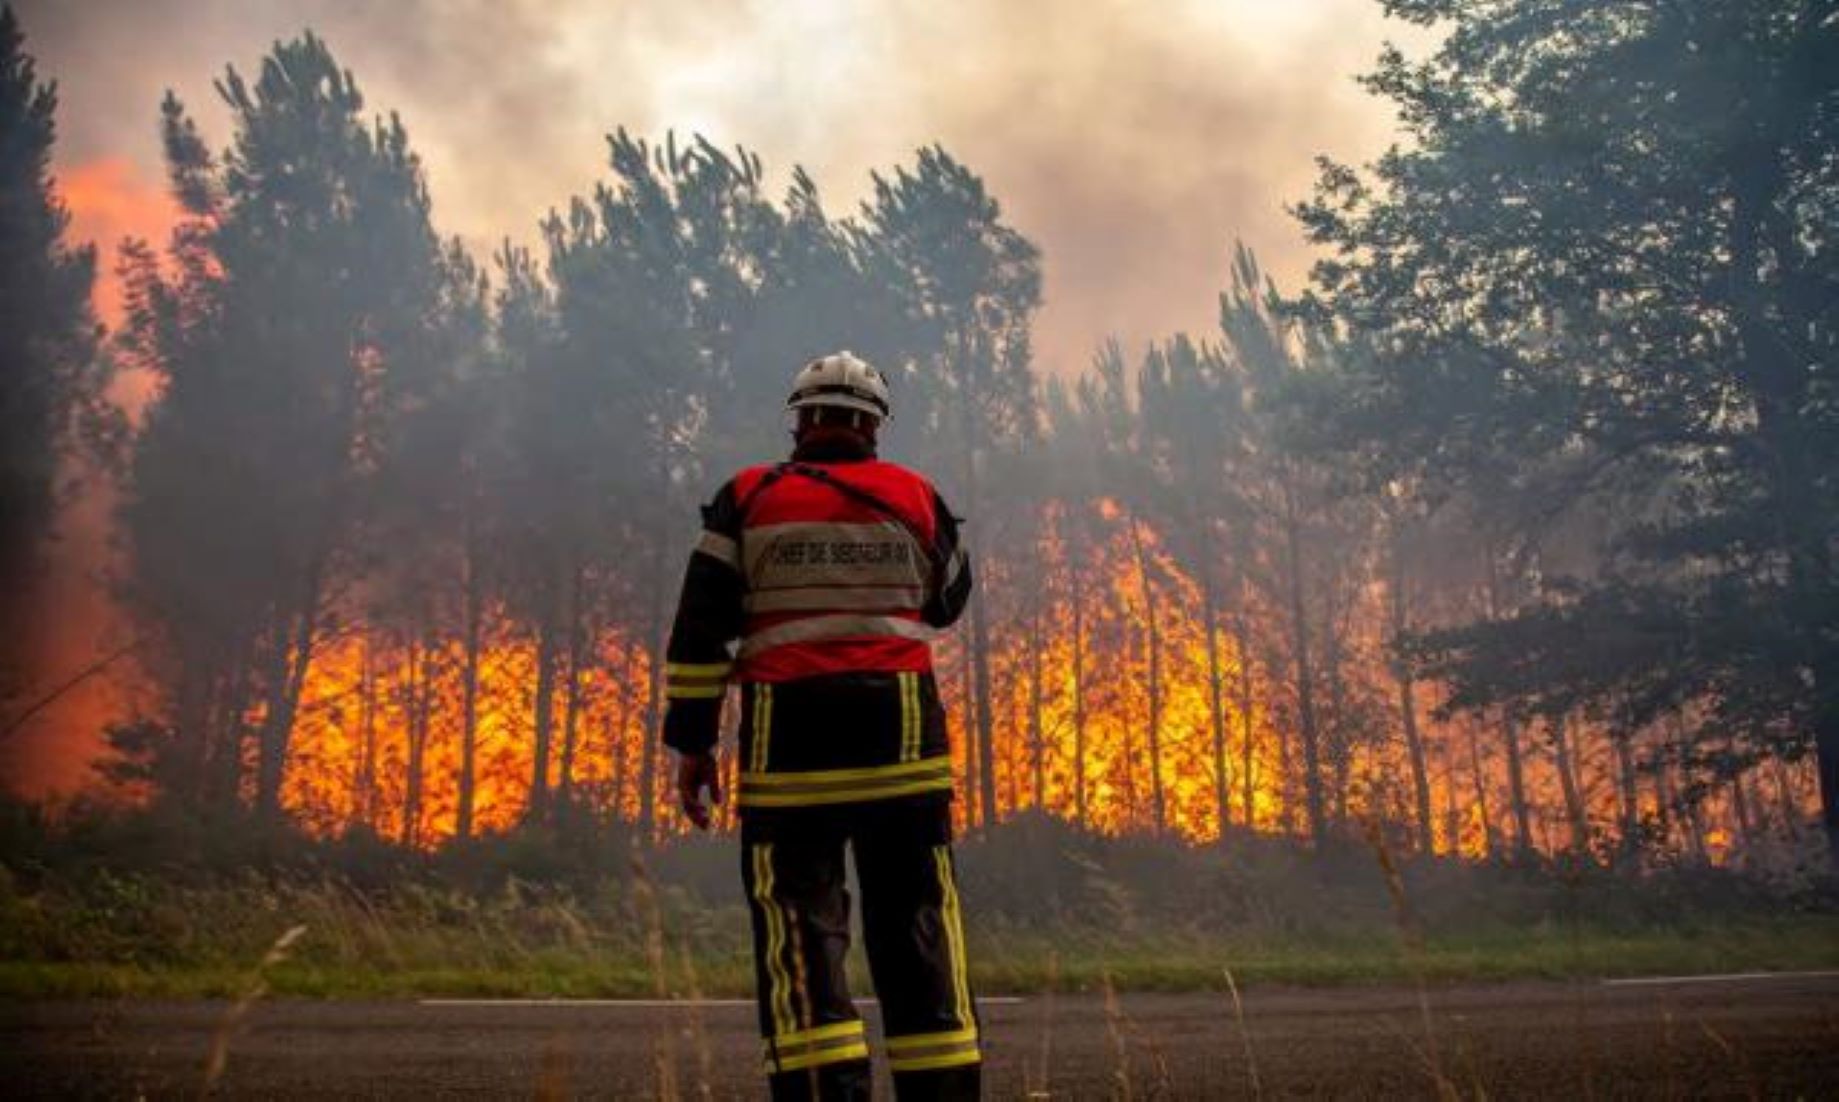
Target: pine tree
<point>1601,277</point>
<point>51,378</point>
<point>303,278</point>
<point>969,285</point>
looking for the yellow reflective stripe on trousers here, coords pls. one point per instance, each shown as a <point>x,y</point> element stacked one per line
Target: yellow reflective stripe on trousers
<point>956,1058</point>
<point>824,1044</point>
<point>779,984</point>
<point>853,1050</point>
<point>830,1032</point>
<point>953,914</point>
<point>926,1051</point>
<point>829,786</point>
<point>762,726</point>
<point>914,1041</point>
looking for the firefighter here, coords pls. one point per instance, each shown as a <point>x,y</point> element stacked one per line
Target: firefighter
<point>831,572</point>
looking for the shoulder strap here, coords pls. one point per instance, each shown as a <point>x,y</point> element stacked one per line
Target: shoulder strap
<point>741,508</point>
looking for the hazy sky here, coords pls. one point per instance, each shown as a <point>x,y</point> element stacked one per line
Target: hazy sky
<point>1130,140</point>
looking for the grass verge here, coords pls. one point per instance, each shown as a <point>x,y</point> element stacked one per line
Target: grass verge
<point>1074,961</point>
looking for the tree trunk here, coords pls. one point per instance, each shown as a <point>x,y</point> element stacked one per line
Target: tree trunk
<point>1629,798</point>
<point>654,711</point>
<point>618,774</point>
<point>1510,730</point>
<point>418,692</point>
<point>364,801</point>
<point>1784,799</point>
<point>1153,632</point>
<point>1684,799</point>
<point>1286,778</point>
<point>1489,838</point>
<point>1740,809</point>
<point>1247,747</point>
<point>1407,698</point>
<point>222,713</point>
<point>1216,701</point>
<point>469,701</point>
<point>1452,811</point>
<point>982,747</point>
<point>1826,755</point>
<point>1516,787</point>
<point>1037,735</point>
<point>1305,675</point>
<point>571,690</point>
<point>287,677</point>
<point>980,691</point>
<point>547,655</point>
<point>656,637</point>
<point>192,718</point>
<point>1567,782</point>
<point>973,770</point>
<point>1340,745</point>
<point>1079,691</point>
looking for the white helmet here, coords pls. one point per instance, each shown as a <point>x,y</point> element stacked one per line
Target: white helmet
<point>842,381</point>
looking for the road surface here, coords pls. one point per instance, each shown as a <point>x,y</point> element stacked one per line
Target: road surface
<point>1769,1037</point>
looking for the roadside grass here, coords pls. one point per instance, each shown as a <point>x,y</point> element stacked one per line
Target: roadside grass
<point>138,937</point>
<point>1185,964</point>
<point>1049,908</point>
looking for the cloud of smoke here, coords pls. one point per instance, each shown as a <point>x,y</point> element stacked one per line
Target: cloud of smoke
<point>1131,141</point>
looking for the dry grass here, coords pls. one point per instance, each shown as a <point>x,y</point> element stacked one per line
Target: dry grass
<point>237,1015</point>
<point>1411,941</point>
<point>1253,1082</point>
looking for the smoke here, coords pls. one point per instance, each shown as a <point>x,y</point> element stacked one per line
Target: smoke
<point>1131,141</point>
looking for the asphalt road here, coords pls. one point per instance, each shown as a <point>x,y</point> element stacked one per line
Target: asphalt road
<point>1774,1037</point>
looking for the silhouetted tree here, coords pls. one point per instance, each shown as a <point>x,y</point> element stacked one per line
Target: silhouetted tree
<point>1602,275</point>
<point>303,277</point>
<point>51,377</point>
<point>970,285</point>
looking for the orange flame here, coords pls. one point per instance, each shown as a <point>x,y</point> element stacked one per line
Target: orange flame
<point>1074,662</point>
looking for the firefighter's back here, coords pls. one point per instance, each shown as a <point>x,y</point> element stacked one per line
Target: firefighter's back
<point>838,699</point>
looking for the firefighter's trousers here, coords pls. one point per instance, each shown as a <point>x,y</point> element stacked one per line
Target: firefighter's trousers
<point>913,926</point>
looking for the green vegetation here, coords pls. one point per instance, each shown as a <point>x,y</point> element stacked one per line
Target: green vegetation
<point>567,916</point>
<point>207,942</point>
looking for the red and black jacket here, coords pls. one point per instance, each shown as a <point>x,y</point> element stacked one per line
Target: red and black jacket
<point>816,586</point>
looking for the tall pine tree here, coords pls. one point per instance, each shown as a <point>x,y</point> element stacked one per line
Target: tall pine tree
<point>50,375</point>
<point>302,283</point>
